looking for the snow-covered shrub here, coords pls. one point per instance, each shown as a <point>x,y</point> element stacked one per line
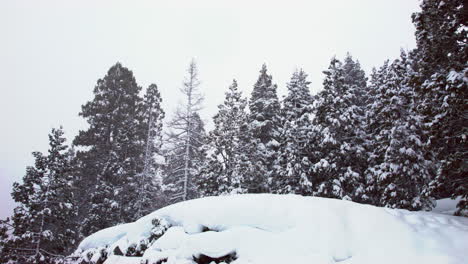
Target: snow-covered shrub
<point>160,226</point>
<point>135,247</point>
<point>93,256</point>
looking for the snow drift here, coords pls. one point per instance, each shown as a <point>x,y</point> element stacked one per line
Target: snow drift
<point>267,228</point>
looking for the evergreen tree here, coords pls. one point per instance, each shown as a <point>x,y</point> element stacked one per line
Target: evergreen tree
<point>113,150</point>
<point>356,78</point>
<point>186,138</point>
<point>264,124</point>
<point>149,181</point>
<point>293,165</point>
<point>222,171</point>
<point>441,61</point>
<point>398,172</point>
<point>43,224</point>
<point>337,133</point>
<point>5,227</point>
<point>440,37</point>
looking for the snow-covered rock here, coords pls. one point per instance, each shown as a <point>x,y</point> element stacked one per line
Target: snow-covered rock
<point>267,228</point>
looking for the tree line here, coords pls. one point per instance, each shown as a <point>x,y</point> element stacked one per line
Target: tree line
<point>396,138</point>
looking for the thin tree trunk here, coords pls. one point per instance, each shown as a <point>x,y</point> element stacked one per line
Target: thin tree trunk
<point>187,146</point>
<point>146,164</point>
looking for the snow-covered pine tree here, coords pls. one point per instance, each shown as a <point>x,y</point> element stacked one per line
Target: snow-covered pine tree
<point>5,227</point>
<point>110,151</point>
<point>185,155</point>
<point>372,128</point>
<point>149,181</point>
<point>264,124</point>
<point>398,173</point>
<point>336,132</point>
<point>441,58</point>
<point>222,172</point>
<point>440,36</point>
<point>44,222</point>
<point>293,164</point>
<point>355,77</point>
<point>62,189</point>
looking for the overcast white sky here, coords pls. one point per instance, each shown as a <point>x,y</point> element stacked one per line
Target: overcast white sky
<point>53,52</point>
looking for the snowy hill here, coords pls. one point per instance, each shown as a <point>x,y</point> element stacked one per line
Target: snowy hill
<point>266,228</point>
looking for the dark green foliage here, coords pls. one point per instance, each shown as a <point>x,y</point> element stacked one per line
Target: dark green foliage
<point>293,167</point>
<point>149,181</point>
<point>222,171</point>
<point>397,142</point>
<point>441,36</point>
<point>337,134</point>
<point>264,126</point>
<point>264,108</point>
<point>441,86</point>
<point>115,161</point>
<point>398,170</point>
<point>43,224</point>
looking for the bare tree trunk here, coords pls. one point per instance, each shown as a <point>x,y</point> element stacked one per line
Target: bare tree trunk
<point>187,146</point>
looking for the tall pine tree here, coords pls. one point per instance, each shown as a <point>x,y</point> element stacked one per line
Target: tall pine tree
<point>441,60</point>
<point>264,124</point>
<point>111,151</point>
<point>293,164</point>
<point>223,170</point>
<point>398,173</point>
<point>44,222</point>
<point>149,181</point>
<point>337,133</point>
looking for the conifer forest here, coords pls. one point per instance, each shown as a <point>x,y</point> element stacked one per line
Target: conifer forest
<point>394,137</point>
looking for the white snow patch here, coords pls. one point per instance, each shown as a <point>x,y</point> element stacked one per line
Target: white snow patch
<point>122,260</point>
<point>446,206</point>
<point>267,228</point>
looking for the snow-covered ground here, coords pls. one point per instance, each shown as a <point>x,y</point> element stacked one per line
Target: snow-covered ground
<point>270,229</point>
<point>446,206</point>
